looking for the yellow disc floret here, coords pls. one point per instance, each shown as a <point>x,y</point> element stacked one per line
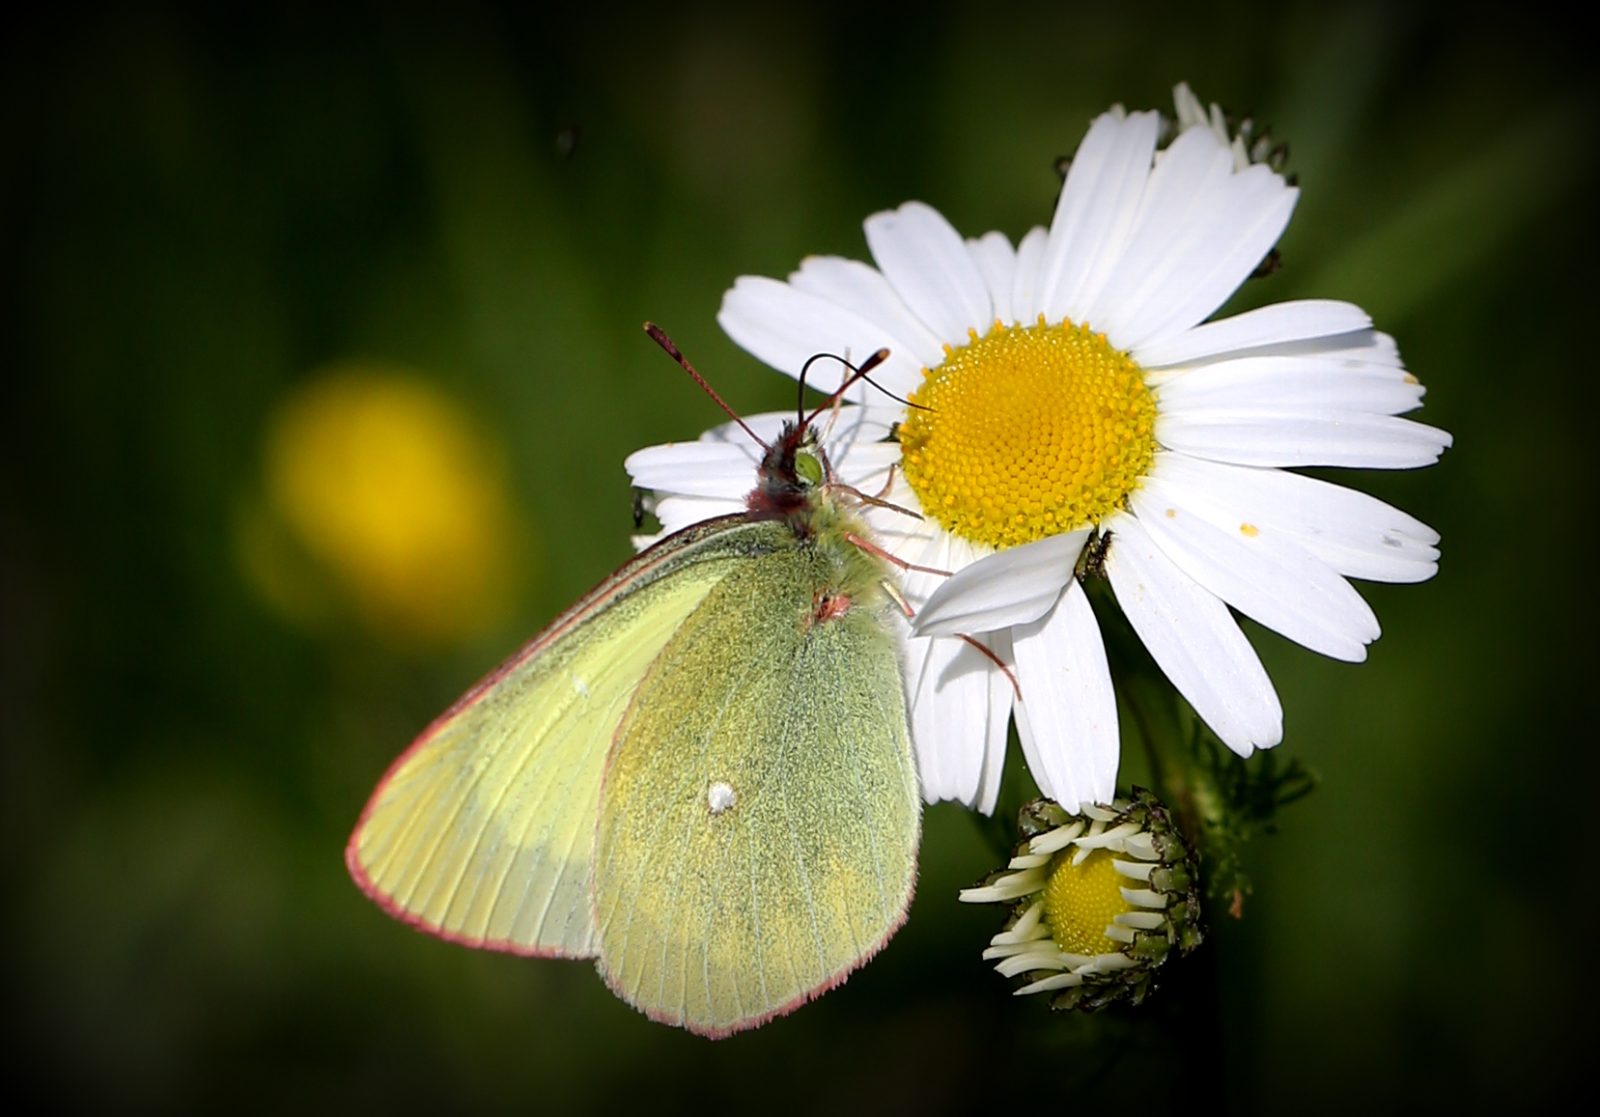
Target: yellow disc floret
<point>1027,432</point>
<point>1081,900</point>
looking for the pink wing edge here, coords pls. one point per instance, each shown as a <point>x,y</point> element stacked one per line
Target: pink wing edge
<point>752,1022</point>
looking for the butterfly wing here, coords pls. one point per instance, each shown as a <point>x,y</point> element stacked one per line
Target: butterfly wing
<point>483,830</point>
<point>760,814</point>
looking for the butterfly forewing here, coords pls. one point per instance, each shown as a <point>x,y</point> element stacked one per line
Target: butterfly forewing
<point>483,831</point>
<point>760,813</point>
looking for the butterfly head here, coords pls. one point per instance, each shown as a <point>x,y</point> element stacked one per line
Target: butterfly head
<point>792,471</point>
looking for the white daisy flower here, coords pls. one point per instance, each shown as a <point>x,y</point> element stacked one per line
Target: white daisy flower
<point>1069,388</point>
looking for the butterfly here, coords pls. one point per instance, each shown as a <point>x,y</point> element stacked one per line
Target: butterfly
<point>700,775</point>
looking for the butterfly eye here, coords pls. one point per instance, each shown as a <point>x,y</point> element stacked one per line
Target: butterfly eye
<point>808,468</point>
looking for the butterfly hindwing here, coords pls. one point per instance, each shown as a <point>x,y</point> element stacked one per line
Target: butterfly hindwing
<point>483,831</point>
<point>760,813</point>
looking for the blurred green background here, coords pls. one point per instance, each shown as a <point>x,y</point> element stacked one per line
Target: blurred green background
<point>458,221</point>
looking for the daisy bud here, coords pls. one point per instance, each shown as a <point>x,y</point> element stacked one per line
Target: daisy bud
<point>1100,899</point>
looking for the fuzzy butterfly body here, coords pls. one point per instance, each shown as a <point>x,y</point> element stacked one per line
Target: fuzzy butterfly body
<point>700,775</point>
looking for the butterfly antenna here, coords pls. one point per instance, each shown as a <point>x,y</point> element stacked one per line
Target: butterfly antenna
<point>897,399</point>
<point>659,336</point>
<point>867,366</point>
<point>857,373</point>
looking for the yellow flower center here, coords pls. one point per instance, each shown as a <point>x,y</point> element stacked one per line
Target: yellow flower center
<point>1027,432</point>
<point>1080,901</point>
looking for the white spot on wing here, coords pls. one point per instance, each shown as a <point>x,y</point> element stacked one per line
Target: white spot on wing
<point>581,685</point>
<point>719,797</point>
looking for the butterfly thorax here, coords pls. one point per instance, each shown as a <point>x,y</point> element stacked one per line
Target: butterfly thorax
<point>791,489</point>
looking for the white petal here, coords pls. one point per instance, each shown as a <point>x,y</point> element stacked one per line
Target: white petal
<point>1187,108</point>
<point>1260,573</point>
<point>678,512</point>
<point>940,551</point>
<point>724,461</point>
<point>1368,345</point>
<point>919,709</point>
<point>850,283</point>
<point>1356,534</point>
<point>925,738</point>
<point>844,427</point>
<point>1025,304</point>
<point>872,423</point>
<point>930,551</point>
<point>1269,325</point>
<point>785,327</point>
<point>1176,211</point>
<point>1013,586</point>
<point>1067,719</point>
<point>959,732</point>
<point>1095,211</point>
<point>715,469</point>
<point>902,533</point>
<point>922,255</point>
<point>996,261</point>
<point>852,438</point>
<point>765,425</point>
<point>1001,698</point>
<point>864,465</point>
<point>1191,635</point>
<point>953,724</point>
<point>899,535</point>
<point>1225,237</point>
<point>1260,437</point>
<point>1296,384</point>
<point>959,714</point>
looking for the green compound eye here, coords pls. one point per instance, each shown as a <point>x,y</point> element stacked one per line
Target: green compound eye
<point>808,468</point>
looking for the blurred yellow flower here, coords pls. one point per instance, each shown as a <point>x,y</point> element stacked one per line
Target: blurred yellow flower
<point>394,499</point>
